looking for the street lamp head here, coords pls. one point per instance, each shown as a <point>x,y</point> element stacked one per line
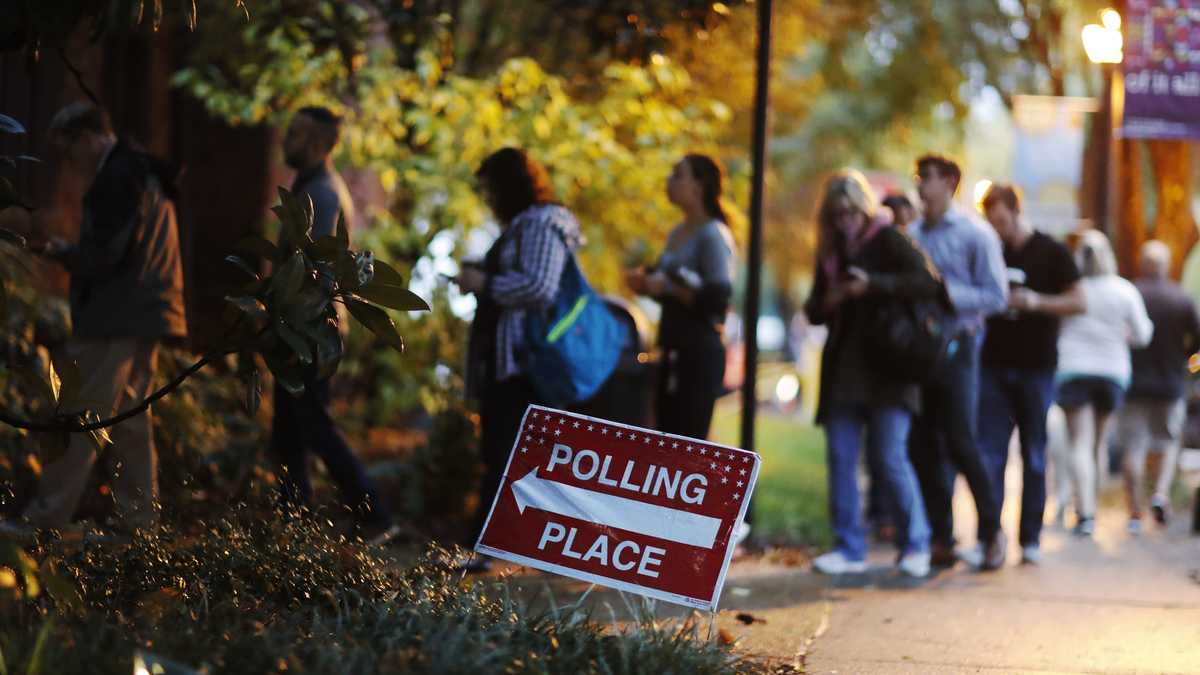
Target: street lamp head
<point>1103,42</point>
<point>1111,19</point>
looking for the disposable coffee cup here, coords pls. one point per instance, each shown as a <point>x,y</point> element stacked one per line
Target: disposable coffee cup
<point>1016,279</point>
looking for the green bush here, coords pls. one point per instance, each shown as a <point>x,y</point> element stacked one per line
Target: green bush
<point>254,595</point>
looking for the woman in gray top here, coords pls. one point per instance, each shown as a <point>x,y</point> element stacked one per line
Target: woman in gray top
<point>693,281</point>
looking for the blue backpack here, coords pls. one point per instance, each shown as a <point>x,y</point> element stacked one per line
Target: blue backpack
<point>572,346</point>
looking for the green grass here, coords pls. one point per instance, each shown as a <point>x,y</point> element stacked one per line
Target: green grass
<point>790,500</point>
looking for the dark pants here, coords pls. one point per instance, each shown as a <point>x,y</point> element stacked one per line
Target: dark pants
<point>944,438</point>
<point>500,414</point>
<point>303,425</point>
<point>689,382</point>
<point>1020,397</point>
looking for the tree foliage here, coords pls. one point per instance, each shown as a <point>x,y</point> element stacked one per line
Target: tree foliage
<point>874,83</point>
<point>424,130</point>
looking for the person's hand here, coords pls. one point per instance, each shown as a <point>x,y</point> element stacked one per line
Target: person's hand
<point>858,283</point>
<point>834,295</point>
<point>49,247</point>
<point>635,280</point>
<point>472,279</point>
<point>1023,300</point>
<point>656,284</point>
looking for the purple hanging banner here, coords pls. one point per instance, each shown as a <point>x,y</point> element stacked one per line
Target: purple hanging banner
<point>1162,69</point>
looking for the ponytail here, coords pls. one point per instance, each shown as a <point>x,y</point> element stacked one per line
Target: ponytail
<point>708,172</point>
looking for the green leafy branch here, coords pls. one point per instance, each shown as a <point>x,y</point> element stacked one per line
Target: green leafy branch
<point>290,318</point>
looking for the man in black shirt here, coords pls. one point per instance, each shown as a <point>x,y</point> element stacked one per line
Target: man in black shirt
<point>1020,354</point>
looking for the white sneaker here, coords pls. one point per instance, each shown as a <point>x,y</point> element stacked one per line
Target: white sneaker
<point>1135,527</point>
<point>835,562</point>
<point>915,564</point>
<point>1031,554</point>
<point>972,556</point>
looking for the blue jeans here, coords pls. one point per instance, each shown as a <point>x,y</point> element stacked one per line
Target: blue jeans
<point>1018,397</point>
<point>887,437</point>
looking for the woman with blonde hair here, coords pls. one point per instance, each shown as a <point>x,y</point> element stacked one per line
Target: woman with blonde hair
<point>1094,369</point>
<point>862,263</point>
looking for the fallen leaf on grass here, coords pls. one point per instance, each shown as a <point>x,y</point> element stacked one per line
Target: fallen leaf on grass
<point>749,618</point>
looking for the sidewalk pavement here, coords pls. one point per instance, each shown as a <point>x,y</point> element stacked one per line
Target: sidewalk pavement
<point>1112,604</point>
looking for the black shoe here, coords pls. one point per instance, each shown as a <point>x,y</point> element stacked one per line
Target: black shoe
<point>941,555</point>
<point>1158,506</point>
<point>1086,527</point>
<point>995,552</point>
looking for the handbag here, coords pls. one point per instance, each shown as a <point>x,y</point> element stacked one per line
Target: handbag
<point>909,338</point>
<point>572,346</point>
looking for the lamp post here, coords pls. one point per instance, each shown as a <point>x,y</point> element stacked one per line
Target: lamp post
<point>1104,44</point>
<point>757,196</point>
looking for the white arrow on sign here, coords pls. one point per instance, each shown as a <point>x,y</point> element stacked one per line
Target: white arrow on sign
<point>604,509</point>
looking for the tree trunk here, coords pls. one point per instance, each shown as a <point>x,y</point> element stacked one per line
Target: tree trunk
<point>1174,224</point>
<point>1131,221</point>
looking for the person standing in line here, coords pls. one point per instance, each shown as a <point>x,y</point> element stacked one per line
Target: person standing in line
<point>861,262</point>
<point>1094,367</point>
<point>521,273</point>
<point>903,211</point>
<point>693,281</point>
<point>1154,412</point>
<point>970,259</point>
<point>303,424</point>
<point>879,510</point>
<point>1020,354</point>
<point>126,299</point>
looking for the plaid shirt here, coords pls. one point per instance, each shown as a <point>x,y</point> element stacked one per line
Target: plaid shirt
<point>531,266</point>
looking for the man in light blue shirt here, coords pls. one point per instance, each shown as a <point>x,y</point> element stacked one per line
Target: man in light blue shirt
<point>971,261</point>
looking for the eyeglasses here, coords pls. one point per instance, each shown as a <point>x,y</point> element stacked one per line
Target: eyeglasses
<point>843,214</point>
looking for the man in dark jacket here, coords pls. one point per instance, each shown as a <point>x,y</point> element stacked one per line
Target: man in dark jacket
<point>126,297</point>
<point>303,424</point>
<point>1153,416</point>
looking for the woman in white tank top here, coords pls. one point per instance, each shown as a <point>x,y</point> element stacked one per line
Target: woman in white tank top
<point>1094,371</point>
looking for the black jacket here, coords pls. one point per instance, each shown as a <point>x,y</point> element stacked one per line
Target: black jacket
<point>896,268</point>
<point>1160,368</point>
<point>126,271</point>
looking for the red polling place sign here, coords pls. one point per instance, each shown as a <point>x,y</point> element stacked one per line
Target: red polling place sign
<point>616,505</point>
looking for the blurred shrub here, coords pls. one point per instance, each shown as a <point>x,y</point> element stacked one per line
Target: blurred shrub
<point>253,595</point>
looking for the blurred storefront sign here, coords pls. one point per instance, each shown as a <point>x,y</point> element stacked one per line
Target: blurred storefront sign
<point>1048,144</point>
<point>1162,69</point>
